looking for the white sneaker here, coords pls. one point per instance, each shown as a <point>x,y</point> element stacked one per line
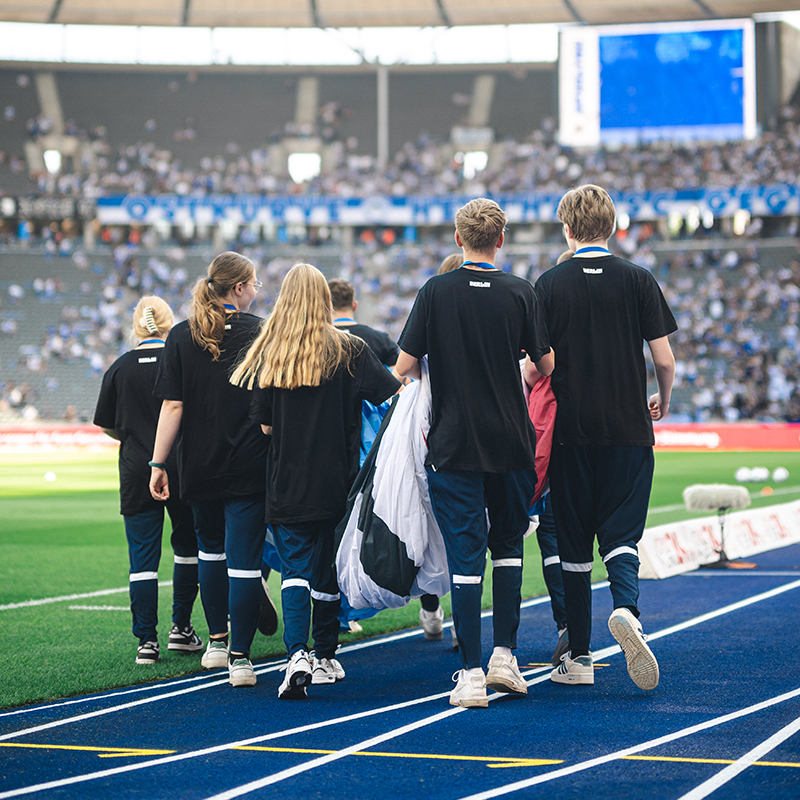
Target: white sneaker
<point>503,675</point>
<point>578,671</point>
<point>326,670</point>
<point>470,691</point>
<point>431,622</point>
<point>642,664</point>
<point>298,676</point>
<point>240,672</point>
<point>216,654</point>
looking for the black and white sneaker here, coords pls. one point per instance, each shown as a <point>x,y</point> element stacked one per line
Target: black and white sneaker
<point>148,653</point>
<point>298,676</point>
<point>184,639</point>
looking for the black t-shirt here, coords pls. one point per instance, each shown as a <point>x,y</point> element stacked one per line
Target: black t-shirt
<point>599,313</point>
<point>126,405</point>
<point>380,343</point>
<point>222,452</point>
<point>472,325</point>
<point>316,432</point>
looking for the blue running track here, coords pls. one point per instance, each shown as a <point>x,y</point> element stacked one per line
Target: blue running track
<point>723,722</point>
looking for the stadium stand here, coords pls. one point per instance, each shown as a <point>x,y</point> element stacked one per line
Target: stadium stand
<point>64,312</point>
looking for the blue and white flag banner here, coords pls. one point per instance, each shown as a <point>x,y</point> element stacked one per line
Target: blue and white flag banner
<point>413,210</point>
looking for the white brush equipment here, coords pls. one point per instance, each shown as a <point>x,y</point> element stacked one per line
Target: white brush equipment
<point>717,497</point>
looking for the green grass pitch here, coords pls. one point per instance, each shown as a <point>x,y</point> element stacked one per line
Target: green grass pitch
<point>61,535</point>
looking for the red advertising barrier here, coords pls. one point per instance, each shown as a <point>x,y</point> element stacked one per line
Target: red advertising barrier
<point>50,436</point>
<point>728,436</point>
<point>680,436</point>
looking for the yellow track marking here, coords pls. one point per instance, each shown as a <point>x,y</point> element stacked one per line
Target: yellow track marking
<point>103,752</point>
<point>494,762</point>
<point>710,761</point>
<point>490,761</point>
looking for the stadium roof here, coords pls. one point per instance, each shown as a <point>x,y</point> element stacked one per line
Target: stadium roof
<point>375,13</point>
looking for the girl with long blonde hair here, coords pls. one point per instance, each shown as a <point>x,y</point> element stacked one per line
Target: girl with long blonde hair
<point>127,411</point>
<point>308,380</point>
<point>221,456</point>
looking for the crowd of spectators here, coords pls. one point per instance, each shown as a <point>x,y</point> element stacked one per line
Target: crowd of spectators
<point>737,344</point>
<point>427,165</point>
<point>738,310</point>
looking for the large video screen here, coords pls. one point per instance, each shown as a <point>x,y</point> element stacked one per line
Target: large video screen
<point>671,81</point>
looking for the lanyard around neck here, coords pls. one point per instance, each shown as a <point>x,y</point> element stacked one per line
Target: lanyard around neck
<point>151,341</point>
<point>592,250</point>
<point>479,264</point>
<point>229,307</point>
<point>344,319</point>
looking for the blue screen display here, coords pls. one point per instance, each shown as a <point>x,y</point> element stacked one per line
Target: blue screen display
<point>685,85</point>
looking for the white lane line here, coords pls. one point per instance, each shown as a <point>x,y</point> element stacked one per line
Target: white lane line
<point>205,676</point>
<point>157,762</point>
<point>741,764</point>
<point>285,774</point>
<point>47,600</point>
<point>99,608</point>
<point>103,711</point>
<point>313,726</point>
<point>261,669</point>
<point>787,587</point>
<point>629,751</point>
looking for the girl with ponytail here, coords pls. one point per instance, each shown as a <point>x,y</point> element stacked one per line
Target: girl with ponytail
<point>221,456</point>
<point>127,411</point>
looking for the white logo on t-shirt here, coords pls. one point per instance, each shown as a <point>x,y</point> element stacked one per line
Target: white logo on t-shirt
<point>590,271</point>
<point>481,284</point>
<point>227,327</point>
<point>148,360</point>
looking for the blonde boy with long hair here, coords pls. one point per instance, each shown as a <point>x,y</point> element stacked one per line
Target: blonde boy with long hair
<point>600,310</point>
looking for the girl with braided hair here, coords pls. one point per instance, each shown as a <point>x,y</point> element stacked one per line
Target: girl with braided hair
<point>127,411</point>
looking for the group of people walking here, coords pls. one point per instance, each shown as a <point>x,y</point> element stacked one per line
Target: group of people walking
<point>259,422</point>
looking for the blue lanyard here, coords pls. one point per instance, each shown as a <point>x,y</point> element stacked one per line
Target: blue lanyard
<point>229,307</point>
<point>481,264</point>
<point>344,319</point>
<point>151,341</point>
<point>592,250</point>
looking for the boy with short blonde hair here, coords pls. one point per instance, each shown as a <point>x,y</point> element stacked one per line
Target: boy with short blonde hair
<point>589,211</point>
<point>479,225</point>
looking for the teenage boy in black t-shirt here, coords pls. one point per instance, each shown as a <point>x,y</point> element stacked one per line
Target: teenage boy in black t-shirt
<point>472,324</point>
<point>343,297</point>
<point>600,310</point>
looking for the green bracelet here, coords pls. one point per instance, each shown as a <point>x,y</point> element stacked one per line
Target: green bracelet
<point>156,464</point>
